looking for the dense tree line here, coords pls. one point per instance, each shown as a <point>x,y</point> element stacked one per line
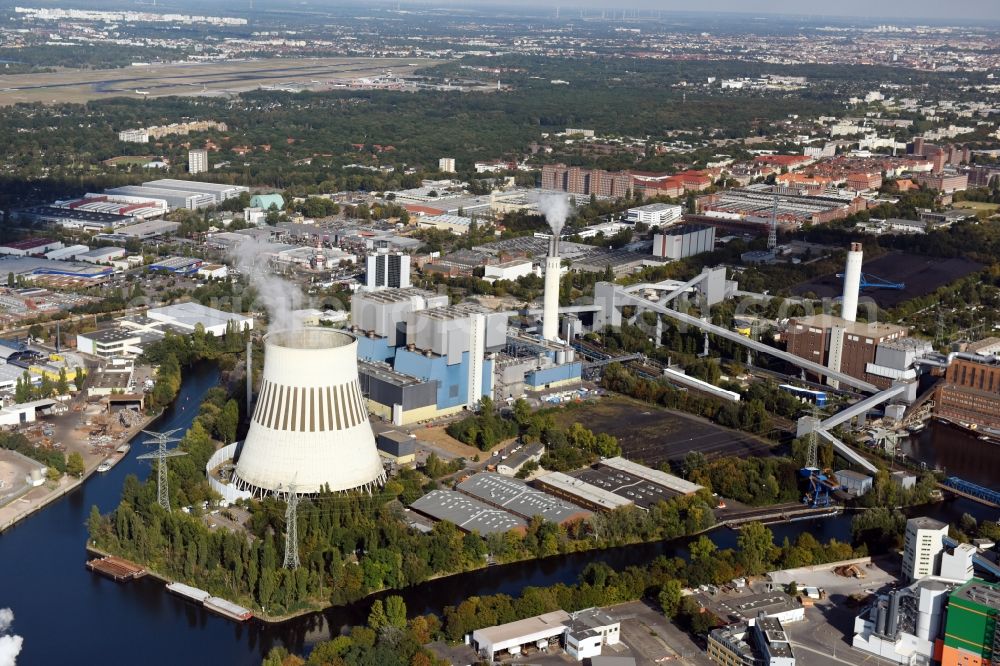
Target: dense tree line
<point>389,637</point>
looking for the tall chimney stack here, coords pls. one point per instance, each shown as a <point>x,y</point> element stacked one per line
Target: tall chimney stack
<point>852,283</point>
<point>550,304</point>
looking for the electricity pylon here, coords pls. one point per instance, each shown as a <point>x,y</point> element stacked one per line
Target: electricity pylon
<point>292,530</point>
<point>161,439</point>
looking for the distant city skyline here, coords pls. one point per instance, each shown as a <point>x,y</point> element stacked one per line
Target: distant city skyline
<point>915,9</point>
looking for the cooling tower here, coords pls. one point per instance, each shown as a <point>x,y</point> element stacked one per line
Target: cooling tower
<point>852,283</point>
<point>310,425</point>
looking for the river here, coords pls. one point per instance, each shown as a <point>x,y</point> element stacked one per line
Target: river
<point>958,452</point>
<point>68,615</point>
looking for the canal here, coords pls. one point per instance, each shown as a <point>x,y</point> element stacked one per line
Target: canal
<point>67,615</point>
<point>958,452</point>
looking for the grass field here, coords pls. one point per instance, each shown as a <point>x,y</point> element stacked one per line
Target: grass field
<point>982,208</point>
<point>653,436</point>
<point>192,79</point>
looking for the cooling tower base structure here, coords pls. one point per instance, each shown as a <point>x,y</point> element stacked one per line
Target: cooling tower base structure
<point>310,426</point>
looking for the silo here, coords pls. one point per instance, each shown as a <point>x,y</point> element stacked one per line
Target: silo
<point>310,424</point>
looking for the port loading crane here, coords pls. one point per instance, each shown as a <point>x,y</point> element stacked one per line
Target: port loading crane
<point>869,281</point>
<point>821,484</point>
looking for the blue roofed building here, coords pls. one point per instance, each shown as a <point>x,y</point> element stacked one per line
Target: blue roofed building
<point>265,201</point>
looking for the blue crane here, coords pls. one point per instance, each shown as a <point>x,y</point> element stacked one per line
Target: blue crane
<point>875,282</point>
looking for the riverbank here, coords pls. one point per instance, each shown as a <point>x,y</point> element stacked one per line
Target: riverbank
<point>32,501</point>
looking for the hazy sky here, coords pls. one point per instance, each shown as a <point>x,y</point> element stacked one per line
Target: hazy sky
<point>938,9</point>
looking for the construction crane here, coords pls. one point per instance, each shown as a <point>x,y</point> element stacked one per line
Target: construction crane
<point>869,281</point>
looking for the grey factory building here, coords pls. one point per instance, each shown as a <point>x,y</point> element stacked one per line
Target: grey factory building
<point>519,498</point>
<point>470,515</point>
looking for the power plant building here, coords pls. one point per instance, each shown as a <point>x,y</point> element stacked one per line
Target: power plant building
<point>970,392</point>
<point>387,270</point>
<point>684,241</point>
<point>972,626</point>
<point>444,348</point>
<point>847,346</point>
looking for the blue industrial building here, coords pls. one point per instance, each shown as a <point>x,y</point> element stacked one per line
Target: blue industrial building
<point>558,375</point>
<point>179,265</point>
<point>453,380</point>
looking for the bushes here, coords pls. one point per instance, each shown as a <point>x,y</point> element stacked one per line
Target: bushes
<point>484,430</point>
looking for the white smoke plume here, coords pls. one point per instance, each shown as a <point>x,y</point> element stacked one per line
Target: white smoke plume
<point>10,646</point>
<point>279,296</point>
<point>555,208</point>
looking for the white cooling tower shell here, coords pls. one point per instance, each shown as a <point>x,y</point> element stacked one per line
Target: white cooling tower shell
<point>310,425</point>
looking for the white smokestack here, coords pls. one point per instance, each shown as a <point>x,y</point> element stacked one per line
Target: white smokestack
<point>556,210</point>
<point>852,283</point>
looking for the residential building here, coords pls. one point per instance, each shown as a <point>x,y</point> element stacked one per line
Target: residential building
<point>923,545</point>
<point>446,165</point>
<point>947,183</point>
<point>197,161</point>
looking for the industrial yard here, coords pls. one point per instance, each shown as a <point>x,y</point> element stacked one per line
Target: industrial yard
<point>196,79</point>
<point>656,436</point>
<point>921,275</point>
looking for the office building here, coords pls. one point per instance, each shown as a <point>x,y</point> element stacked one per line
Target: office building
<point>387,270</point>
<point>923,545</point>
<point>684,241</point>
<point>970,392</point>
<point>757,642</point>
<point>972,625</point>
<point>654,215</point>
<point>197,161</point>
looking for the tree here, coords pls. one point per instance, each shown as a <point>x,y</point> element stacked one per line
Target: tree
<point>62,386</point>
<point>74,464</point>
<point>395,611</point>
<point>377,617</point>
<point>755,544</point>
<point>670,598</point>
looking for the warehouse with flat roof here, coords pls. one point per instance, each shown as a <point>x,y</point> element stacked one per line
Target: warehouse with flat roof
<point>668,481</point>
<point>468,514</point>
<point>580,492</point>
<point>519,498</point>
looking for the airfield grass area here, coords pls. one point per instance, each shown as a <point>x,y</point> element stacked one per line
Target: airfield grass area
<point>654,436</point>
<point>192,79</point>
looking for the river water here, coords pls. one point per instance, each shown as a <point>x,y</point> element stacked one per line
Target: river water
<point>68,615</point>
<point>958,452</point>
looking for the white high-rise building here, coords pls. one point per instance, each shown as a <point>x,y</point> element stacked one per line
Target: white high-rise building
<point>446,165</point>
<point>923,547</point>
<point>197,161</point>
<point>387,270</point>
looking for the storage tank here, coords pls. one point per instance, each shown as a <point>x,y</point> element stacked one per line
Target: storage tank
<point>310,425</point>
